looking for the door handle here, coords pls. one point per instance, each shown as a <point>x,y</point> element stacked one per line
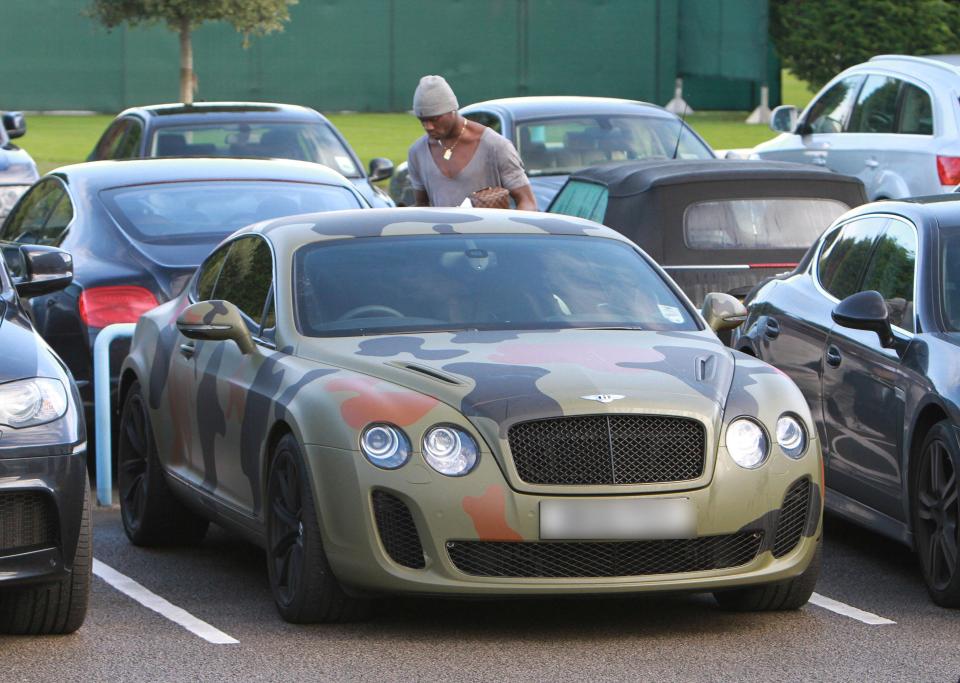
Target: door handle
<point>187,350</point>
<point>833,356</point>
<point>820,160</point>
<point>872,163</point>
<point>771,328</point>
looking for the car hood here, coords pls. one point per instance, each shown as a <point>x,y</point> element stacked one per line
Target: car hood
<point>29,357</point>
<point>496,379</point>
<point>545,188</point>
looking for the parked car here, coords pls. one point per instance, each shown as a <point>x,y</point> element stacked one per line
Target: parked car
<point>892,121</point>
<point>465,402</point>
<point>558,135</point>
<point>240,129</point>
<point>713,225</point>
<point>17,170</point>
<point>867,326</point>
<point>45,525</point>
<point>140,227</point>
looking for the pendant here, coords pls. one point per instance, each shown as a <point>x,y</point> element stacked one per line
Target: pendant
<point>447,153</point>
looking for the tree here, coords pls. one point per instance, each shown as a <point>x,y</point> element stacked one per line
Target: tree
<point>817,40</point>
<point>249,17</point>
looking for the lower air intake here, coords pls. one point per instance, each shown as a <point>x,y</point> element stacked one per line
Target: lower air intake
<point>397,531</point>
<point>27,518</point>
<point>793,517</point>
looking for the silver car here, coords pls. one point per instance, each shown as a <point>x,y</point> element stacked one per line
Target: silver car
<point>893,122</point>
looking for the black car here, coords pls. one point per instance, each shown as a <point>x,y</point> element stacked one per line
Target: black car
<point>240,129</point>
<point>139,228</point>
<point>45,526</point>
<point>868,326</point>
<point>713,225</point>
<point>17,170</point>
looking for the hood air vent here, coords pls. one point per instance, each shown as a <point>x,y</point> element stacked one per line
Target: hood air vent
<point>428,371</point>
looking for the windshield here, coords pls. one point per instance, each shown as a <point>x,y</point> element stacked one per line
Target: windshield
<point>563,145</point>
<point>314,142</point>
<point>483,282</point>
<point>195,212</point>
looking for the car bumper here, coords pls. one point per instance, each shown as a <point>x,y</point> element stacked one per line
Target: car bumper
<point>41,505</point>
<point>477,536</point>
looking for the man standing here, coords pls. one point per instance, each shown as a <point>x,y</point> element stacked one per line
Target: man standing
<point>457,157</point>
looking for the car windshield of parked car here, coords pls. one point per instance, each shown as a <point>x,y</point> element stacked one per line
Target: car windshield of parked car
<point>314,142</point>
<point>194,211</point>
<point>761,223</point>
<point>559,146</point>
<point>480,282</point>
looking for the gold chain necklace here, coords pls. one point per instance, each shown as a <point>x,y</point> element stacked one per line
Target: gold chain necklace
<point>448,151</point>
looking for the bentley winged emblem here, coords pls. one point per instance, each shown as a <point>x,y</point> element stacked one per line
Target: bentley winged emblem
<point>603,398</point>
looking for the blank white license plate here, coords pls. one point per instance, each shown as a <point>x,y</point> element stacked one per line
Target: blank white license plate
<point>617,519</point>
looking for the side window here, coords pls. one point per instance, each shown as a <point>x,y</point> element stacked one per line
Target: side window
<point>584,200</point>
<point>829,113</point>
<point>246,278</point>
<point>876,108</point>
<point>845,255</point>
<point>110,140</point>
<point>487,119</point>
<point>916,113</point>
<point>26,223</point>
<point>209,272</point>
<point>127,149</point>
<point>890,272</point>
<point>56,226</point>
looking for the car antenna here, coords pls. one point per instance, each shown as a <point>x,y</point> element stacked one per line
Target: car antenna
<point>680,132</point>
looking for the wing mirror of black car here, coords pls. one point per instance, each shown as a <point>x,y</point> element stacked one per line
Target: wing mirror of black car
<point>783,119</point>
<point>866,311</point>
<point>15,124</point>
<point>37,269</point>
<point>380,169</point>
<point>722,311</point>
<point>215,321</point>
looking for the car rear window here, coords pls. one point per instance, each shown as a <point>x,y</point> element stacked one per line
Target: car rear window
<point>193,212</point>
<point>314,142</point>
<point>585,200</point>
<point>762,223</point>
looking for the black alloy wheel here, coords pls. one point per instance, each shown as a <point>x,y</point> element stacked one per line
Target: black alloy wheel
<point>286,551</point>
<point>132,471</point>
<point>936,522</point>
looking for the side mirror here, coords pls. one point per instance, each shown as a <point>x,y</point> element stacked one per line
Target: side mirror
<point>215,321</point>
<point>15,124</point>
<point>38,269</point>
<point>783,119</point>
<point>380,169</point>
<point>866,311</point>
<point>722,311</point>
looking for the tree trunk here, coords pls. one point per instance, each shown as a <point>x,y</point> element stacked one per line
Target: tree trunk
<point>187,78</point>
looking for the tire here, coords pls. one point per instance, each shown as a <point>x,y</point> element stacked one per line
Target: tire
<point>783,595</point>
<point>304,587</point>
<point>935,513</point>
<point>59,607</point>
<point>151,514</point>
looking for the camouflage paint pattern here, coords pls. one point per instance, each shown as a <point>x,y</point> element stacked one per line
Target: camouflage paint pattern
<point>222,406</point>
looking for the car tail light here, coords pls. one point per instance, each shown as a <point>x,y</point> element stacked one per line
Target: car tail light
<point>948,168</point>
<point>102,306</point>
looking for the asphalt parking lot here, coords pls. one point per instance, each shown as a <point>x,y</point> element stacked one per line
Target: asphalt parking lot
<point>219,591</point>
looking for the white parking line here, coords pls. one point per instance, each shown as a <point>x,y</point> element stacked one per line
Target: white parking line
<point>132,589</point>
<point>848,611</point>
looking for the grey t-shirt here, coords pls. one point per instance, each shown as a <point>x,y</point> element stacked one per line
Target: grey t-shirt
<point>495,163</point>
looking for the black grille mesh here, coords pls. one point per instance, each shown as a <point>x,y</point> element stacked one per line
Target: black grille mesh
<point>397,531</point>
<point>603,559</point>
<point>608,449</point>
<point>27,518</point>
<point>793,517</point>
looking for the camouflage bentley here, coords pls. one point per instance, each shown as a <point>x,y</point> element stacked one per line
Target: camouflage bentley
<point>470,403</point>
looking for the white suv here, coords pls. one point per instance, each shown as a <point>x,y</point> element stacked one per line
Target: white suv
<point>893,122</point>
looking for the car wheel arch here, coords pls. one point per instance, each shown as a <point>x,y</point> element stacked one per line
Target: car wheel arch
<point>928,416</point>
<point>126,381</point>
<point>279,430</point>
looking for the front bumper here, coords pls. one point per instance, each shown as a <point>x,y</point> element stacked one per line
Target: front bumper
<point>451,513</point>
<point>41,505</point>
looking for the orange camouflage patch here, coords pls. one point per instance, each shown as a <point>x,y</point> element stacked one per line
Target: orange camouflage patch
<point>402,408</point>
<point>489,515</point>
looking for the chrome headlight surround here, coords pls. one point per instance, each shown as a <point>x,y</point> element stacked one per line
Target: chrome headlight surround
<point>32,402</point>
<point>791,436</point>
<point>385,445</point>
<point>450,450</point>
<point>747,443</point>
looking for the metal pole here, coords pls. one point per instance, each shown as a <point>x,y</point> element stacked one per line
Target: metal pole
<point>101,406</point>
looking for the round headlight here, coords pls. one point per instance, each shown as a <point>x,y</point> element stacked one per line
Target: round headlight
<point>746,443</point>
<point>32,402</point>
<point>450,451</point>
<point>385,446</point>
<point>791,437</point>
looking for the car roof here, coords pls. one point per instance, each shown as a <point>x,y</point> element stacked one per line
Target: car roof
<point>114,173</point>
<point>908,63</point>
<point>166,114</point>
<point>943,209</point>
<point>633,177</point>
<point>537,107</point>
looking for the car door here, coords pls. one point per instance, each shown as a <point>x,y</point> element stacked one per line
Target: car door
<point>863,383</point>
<point>862,150</point>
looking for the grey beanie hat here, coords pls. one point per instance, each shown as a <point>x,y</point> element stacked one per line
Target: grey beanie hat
<point>433,97</point>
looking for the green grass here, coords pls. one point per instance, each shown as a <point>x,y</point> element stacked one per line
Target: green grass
<point>57,140</point>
